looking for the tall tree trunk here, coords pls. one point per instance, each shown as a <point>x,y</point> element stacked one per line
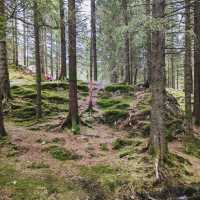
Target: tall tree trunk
<point>197,62</point>
<point>42,60</point>
<point>45,51</point>
<point>158,87</point>
<point>16,40</point>
<point>73,99</point>
<point>93,39</point>
<point>126,42</point>
<point>188,68</point>
<point>13,43</point>
<point>24,36</point>
<point>51,54</point>
<point>177,77</point>
<point>148,33</point>
<point>173,63</point>
<point>63,73</point>
<point>3,63</point>
<point>27,46</point>
<point>37,61</point>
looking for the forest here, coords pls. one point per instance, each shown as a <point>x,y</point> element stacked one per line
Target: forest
<point>99,99</point>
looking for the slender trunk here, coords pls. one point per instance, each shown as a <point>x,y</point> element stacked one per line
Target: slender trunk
<point>45,52</point>
<point>126,42</point>
<point>24,37</point>
<point>197,62</point>
<point>135,76</point>
<point>27,46</point>
<point>173,71</point>
<point>3,64</point>
<point>93,39</point>
<point>73,99</point>
<point>158,87</point>
<point>37,61</point>
<point>16,41</point>
<point>42,61</point>
<point>63,73</point>
<point>188,69</point>
<point>177,77</point>
<point>13,43</point>
<point>51,54</point>
<point>148,33</point>
<point>57,60</point>
<point>173,64</point>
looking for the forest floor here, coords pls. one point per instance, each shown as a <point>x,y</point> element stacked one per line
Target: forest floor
<point>102,162</point>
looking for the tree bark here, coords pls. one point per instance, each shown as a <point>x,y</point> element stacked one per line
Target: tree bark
<point>24,37</point>
<point>197,62</point>
<point>126,42</point>
<point>188,68</point>
<point>16,39</point>
<point>158,86</point>
<point>37,61</point>
<point>3,64</point>
<point>148,34</point>
<point>73,99</point>
<point>63,73</point>
<point>93,39</point>
<point>51,55</point>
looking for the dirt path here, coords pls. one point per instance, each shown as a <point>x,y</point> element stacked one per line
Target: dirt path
<point>88,144</point>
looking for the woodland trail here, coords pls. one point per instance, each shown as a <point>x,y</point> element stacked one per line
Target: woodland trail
<point>31,145</point>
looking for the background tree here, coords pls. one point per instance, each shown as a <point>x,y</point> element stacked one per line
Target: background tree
<point>63,73</point>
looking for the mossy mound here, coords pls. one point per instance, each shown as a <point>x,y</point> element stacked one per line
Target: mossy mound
<point>106,103</point>
<point>138,118</point>
<point>112,115</point>
<point>121,88</point>
<point>113,107</point>
<point>22,108</point>
<point>120,143</point>
<point>62,154</point>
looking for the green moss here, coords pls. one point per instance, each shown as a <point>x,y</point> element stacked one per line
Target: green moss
<point>120,143</point>
<point>121,106</point>
<point>26,92</point>
<point>106,103</point>
<point>38,165</point>
<point>122,88</point>
<point>192,146</point>
<point>103,174</point>
<point>34,187</point>
<point>127,152</point>
<point>82,87</point>
<point>104,147</point>
<point>112,115</point>
<point>62,154</point>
